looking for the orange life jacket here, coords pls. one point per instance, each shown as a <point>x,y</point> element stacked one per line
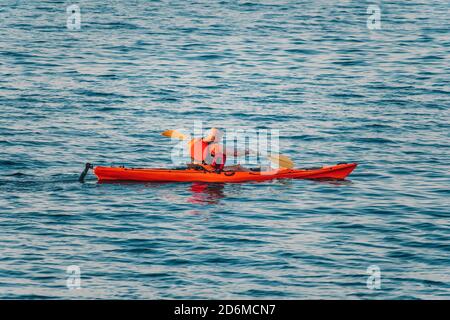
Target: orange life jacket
<point>200,151</point>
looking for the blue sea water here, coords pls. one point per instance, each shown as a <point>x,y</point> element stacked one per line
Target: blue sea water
<point>336,91</point>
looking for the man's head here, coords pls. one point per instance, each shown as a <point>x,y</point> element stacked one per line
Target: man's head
<point>215,135</point>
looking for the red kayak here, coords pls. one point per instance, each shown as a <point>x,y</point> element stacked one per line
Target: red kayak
<point>339,171</point>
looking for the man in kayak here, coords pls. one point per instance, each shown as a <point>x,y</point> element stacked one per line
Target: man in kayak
<point>208,153</point>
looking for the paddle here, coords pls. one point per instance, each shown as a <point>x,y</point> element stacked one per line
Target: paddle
<point>174,134</point>
<point>281,160</point>
<point>87,166</point>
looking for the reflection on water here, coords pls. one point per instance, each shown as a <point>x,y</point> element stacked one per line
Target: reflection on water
<point>200,192</point>
<point>206,193</point>
<point>211,193</point>
<point>334,182</point>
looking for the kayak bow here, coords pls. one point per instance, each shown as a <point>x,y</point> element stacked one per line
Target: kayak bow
<point>339,171</point>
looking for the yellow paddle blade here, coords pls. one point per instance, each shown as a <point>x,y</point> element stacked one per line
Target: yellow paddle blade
<point>174,134</point>
<point>282,161</point>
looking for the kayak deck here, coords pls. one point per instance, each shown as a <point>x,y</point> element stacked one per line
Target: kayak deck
<point>339,171</point>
